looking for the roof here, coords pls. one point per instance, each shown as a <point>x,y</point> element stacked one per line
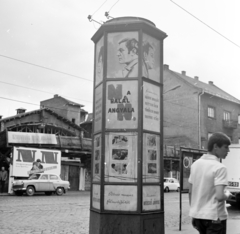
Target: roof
<point>66,100</point>
<point>18,116</point>
<point>208,88</point>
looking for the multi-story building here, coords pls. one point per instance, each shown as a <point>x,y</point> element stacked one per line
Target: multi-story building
<point>193,110</point>
<point>68,109</point>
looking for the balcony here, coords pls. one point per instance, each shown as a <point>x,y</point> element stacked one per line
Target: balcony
<point>232,124</point>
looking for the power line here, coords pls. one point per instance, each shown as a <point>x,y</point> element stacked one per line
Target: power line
<point>18,60</point>
<point>99,8</point>
<point>40,90</point>
<point>206,24</point>
<point>113,5</point>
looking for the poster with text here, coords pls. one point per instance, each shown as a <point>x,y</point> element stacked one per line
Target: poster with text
<point>151,107</point>
<point>121,157</point>
<point>97,158</point>
<point>25,161</point>
<point>122,55</point>
<point>96,196</point>
<point>151,198</point>
<point>122,105</point>
<point>120,198</point>
<point>99,61</point>
<point>98,109</point>
<point>151,158</point>
<point>151,58</point>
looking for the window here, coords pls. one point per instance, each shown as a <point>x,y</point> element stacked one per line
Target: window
<point>211,112</point>
<point>44,177</point>
<point>73,120</point>
<point>226,115</point>
<point>53,177</point>
<point>238,119</point>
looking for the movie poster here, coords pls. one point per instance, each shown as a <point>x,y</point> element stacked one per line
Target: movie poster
<point>151,107</point>
<point>98,109</point>
<point>120,198</point>
<point>97,158</point>
<point>151,158</point>
<point>121,157</point>
<point>122,55</point>
<point>96,196</point>
<point>122,105</point>
<point>99,62</point>
<point>151,58</point>
<point>151,198</point>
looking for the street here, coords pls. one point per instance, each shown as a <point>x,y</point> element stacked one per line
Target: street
<point>70,213</point>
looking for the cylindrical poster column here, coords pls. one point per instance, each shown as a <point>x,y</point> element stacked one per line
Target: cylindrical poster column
<point>127,154</point>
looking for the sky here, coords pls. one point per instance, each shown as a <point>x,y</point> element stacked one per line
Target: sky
<point>46,46</point>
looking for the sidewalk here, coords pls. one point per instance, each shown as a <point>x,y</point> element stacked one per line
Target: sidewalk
<point>233,227</point>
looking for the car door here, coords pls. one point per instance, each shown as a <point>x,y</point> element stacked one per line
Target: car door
<point>43,183</point>
<point>171,184</point>
<point>54,182</point>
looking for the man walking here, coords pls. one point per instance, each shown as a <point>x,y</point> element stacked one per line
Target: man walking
<point>207,192</point>
<point>3,178</point>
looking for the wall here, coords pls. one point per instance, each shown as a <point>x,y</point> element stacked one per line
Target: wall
<point>180,112</point>
<point>210,125</point>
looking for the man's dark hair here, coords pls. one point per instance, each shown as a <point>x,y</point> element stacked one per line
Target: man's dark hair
<point>131,44</point>
<point>218,138</point>
<point>146,46</point>
<point>100,53</point>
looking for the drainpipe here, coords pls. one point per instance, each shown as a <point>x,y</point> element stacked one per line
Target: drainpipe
<point>199,118</point>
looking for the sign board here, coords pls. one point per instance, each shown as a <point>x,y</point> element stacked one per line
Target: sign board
<point>151,198</point>
<point>25,158</point>
<point>31,138</point>
<point>188,156</point>
<point>120,198</point>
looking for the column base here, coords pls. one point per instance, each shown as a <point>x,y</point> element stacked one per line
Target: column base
<point>126,224</point>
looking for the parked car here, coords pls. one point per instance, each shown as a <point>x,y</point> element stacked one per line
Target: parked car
<point>41,182</point>
<point>171,184</point>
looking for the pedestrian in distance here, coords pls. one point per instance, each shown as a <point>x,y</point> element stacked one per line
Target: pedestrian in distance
<point>3,178</point>
<point>207,190</point>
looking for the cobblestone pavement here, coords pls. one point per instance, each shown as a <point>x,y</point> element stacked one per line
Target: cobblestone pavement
<point>69,214</point>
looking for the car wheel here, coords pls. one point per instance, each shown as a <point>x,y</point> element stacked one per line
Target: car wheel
<point>178,189</point>
<point>18,193</point>
<point>30,191</point>
<point>48,193</point>
<point>59,191</point>
<point>167,189</point>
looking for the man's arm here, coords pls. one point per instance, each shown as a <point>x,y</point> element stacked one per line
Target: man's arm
<point>190,193</point>
<point>221,193</point>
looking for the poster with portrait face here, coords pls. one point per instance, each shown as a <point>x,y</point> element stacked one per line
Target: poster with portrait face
<point>151,107</point>
<point>98,109</point>
<point>151,198</point>
<point>122,105</point>
<point>97,158</point>
<point>99,62</point>
<point>151,158</point>
<point>151,58</point>
<point>122,55</point>
<point>121,157</point>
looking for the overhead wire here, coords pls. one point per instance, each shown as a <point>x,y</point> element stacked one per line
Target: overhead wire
<point>47,68</point>
<point>40,90</point>
<point>206,24</point>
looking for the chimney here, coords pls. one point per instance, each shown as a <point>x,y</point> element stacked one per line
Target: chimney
<point>196,77</point>
<point>20,110</point>
<point>55,95</point>
<point>184,73</point>
<point>210,82</point>
<point>165,67</point>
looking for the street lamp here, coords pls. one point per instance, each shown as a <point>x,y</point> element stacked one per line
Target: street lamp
<point>174,88</point>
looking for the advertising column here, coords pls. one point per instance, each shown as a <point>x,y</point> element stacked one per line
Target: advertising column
<point>126,195</point>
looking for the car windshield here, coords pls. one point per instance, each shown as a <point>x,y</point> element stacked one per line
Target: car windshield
<point>34,177</point>
<point>165,180</point>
